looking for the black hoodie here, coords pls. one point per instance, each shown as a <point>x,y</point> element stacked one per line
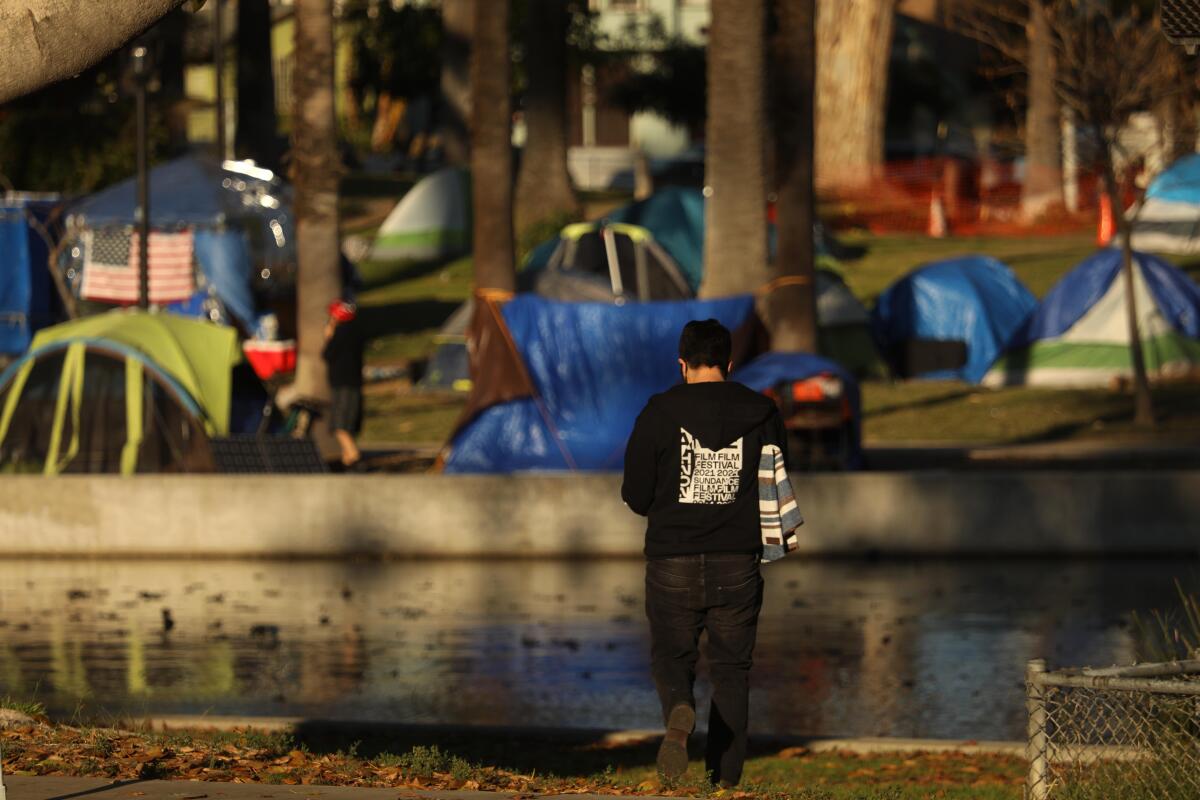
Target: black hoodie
<point>691,466</point>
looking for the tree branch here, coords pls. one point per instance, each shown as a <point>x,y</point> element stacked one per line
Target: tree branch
<point>43,41</point>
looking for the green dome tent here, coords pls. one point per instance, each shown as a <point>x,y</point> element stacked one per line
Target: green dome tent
<point>126,391</point>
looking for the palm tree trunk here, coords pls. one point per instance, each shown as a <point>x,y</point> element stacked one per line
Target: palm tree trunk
<point>544,186</point>
<point>792,306</point>
<point>854,44</point>
<point>491,148</point>
<point>255,136</point>
<point>455,107</point>
<point>735,235</point>
<point>1143,402</point>
<point>1043,179</point>
<point>316,169</point>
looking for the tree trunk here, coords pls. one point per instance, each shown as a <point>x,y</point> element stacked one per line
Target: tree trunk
<point>854,43</point>
<point>43,41</point>
<point>1043,175</point>
<point>315,173</point>
<point>491,148</point>
<point>735,231</point>
<point>255,136</point>
<point>544,186</point>
<point>1143,403</point>
<point>455,107</point>
<point>792,306</point>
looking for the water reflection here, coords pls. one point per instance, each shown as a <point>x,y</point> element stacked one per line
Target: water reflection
<point>907,649</point>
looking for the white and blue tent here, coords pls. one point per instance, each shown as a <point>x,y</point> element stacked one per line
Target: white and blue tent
<point>1169,221</point>
<point>1079,334</point>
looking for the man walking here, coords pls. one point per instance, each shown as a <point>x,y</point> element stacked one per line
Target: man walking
<point>691,467</point>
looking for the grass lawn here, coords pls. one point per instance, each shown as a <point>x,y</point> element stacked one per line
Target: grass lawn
<point>397,415</point>
<point>929,411</point>
<point>404,306</point>
<point>525,763</point>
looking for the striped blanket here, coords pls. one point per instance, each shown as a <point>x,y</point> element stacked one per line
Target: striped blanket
<point>779,516</point>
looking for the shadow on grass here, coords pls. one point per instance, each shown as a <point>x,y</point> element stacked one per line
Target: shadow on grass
<point>379,274</point>
<point>542,752</point>
<point>404,317</point>
<point>924,402</point>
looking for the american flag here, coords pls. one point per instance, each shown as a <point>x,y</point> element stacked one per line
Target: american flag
<point>110,266</point>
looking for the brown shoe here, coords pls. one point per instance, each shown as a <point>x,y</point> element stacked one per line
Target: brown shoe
<point>672,753</point>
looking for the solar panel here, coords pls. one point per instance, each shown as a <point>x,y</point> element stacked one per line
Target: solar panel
<point>247,453</point>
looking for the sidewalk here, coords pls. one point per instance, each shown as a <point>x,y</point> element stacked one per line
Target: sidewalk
<point>48,788</point>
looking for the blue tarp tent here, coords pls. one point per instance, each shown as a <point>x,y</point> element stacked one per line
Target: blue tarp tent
<point>28,301</point>
<point>240,216</point>
<point>593,366</point>
<point>951,319</point>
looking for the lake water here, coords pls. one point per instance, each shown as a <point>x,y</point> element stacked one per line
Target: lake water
<point>928,648</point>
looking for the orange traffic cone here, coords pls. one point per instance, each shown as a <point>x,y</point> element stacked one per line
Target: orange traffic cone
<point>1104,230</point>
<point>937,218</point>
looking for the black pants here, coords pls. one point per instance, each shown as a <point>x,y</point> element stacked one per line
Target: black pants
<point>721,594</point>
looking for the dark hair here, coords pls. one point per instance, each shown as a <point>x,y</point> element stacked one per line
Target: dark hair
<point>705,343</point>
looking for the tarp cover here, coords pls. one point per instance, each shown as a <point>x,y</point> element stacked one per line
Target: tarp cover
<point>771,369</point>
<point>237,218</point>
<point>198,355</point>
<point>188,190</point>
<point>27,298</point>
<point>1177,296</point>
<point>972,299</point>
<point>594,366</point>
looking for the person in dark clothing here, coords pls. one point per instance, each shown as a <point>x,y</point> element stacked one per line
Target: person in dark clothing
<point>343,354</point>
<point>691,467</point>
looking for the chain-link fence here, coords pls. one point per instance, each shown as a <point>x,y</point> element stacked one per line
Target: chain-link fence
<point>1126,732</point>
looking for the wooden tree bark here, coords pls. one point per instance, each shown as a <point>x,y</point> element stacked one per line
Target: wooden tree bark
<point>315,173</point>
<point>543,185</point>
<point>455,108</point>
<point>792,306</point>
<point>1143,401</point>
<point>491,148</point>
<point>735,235</point>
<point>1043,176</point>
<point>43,41</point>
<point>255,136</point>
<point>854,42</point>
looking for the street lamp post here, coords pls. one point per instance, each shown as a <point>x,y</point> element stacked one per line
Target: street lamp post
<point>140,75</point>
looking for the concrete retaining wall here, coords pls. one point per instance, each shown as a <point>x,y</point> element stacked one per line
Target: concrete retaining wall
<point>431,515</point>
